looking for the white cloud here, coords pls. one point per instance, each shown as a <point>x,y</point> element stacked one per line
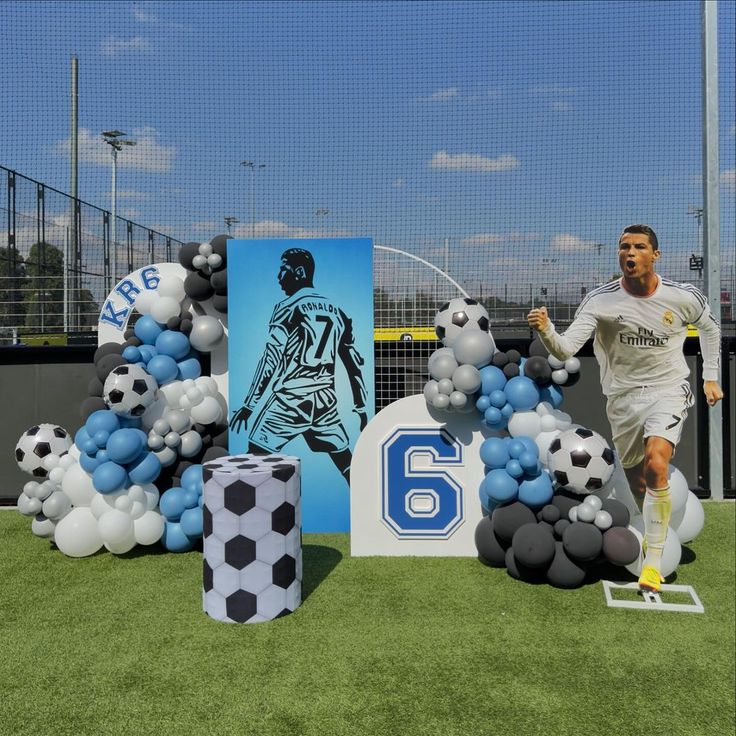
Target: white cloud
<point>728,180</point>
<point>473,162</point>
<point>277,229</point>
<point>208,226</point>
<point>398,184</point>
<point>147,155</point>
<point>560,105</point>
<point>569,243</point>
<point>142,14</point>
<point>130,213</point>
<point>514,237</point>
<point>554,89</point>
<point>113,46</point>
<point>733,129</point>
<point>442,95</point>
<point>131,193</point>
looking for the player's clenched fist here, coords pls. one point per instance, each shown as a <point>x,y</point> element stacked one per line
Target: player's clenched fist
<point>538,318</point>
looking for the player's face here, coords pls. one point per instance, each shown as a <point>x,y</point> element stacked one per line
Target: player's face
<point>288,279</point>
<point>636,257</point>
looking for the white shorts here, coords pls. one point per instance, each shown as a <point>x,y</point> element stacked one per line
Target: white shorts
<point>646,412</point>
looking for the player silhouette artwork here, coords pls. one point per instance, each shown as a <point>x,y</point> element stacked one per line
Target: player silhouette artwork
<point>293,392</point>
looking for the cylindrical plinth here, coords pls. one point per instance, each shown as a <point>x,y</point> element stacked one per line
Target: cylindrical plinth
<point>252,569</point>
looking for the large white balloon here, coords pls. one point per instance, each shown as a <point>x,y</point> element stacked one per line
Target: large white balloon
<point>670,555</point>
<point>678,488</point>
<point>164,308</point>
<point>525,423</point>
<point>77,534</point>
<point>149,528</point>
<point>207,411</point>
<point>116,527</point>
<point>77,484</point>
<point>206,332</point>
<point>171,286</point>
<point>145,300</point>
<point>617,487</point>
<point>688,521</point>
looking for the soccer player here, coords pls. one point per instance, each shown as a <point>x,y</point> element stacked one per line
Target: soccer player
<point>293,390</point>
<point>640,324</point>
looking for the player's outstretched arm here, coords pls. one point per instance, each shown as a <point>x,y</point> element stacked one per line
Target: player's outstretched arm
<point>538,319</point>
<point>713,392</point>
<point>565,345</point>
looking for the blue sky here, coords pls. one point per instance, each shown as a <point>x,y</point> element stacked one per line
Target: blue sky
<point>512,128</point>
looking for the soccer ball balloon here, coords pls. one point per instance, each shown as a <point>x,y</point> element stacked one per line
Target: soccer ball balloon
<point>457,315</point>
<point>129,390</point>
<point>38,442</point>
<point>580,460</point>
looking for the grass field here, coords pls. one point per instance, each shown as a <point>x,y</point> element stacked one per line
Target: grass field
<point>120,645</point>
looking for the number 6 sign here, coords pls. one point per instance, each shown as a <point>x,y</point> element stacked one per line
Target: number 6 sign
<point>415,478</point>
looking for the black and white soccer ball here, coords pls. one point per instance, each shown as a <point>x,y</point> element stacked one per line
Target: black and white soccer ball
<point>457,315</point>
<point>580,460</point>
<point>129,390</point>
<point>39,442</point>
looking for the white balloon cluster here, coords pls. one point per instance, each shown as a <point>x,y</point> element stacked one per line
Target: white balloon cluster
<point>455,371</point>
<point>206,259</point>
<point>542,424</point>
<point>563,369</point>
<point>591,511</point>
<point>163,302</point>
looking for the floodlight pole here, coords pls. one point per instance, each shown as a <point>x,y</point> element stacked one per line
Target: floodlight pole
<point>252,165</point>
<point>229,221</point>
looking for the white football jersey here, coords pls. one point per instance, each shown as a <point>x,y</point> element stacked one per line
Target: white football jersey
<point>638,340</point>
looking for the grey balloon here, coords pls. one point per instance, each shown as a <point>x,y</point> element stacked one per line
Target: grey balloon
<point>466,378</point>
<point>441,401</point>
<point>206,332</point>
<point>586,512</point>
<point>430,390</point>
<point>603,520</point>
<point>474,347</point>
<point>56,505</point>
<point>458,399</point>
<point>445,386</point>
<point>560,376</point>
<point>191,443</point>
<point>441,365</point>
<point>166,456</point>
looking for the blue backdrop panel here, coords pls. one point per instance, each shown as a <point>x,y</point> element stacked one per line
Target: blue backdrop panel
<point>300,358</point>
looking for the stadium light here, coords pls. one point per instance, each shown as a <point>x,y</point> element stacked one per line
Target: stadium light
<point>321,213</point>
<point>252,165</point>
<point>114,139</point>
<point>229,221</point>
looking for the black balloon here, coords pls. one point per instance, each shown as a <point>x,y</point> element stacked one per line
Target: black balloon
<point>94,387</point>
<point>108,348</point>
<point>187,253</point>
<point>173,323</point>
<point>130,332</point>
<point>550,513</point>
<point>220,436</point>
<point>185,326</point>
<point>620,545</point>
<point>511,370</point>
<point>536,347</point>
<point>213,453</point>
<point>219,246</point>
<point>219,302</point>
<point>219,282</point>
<point>538,369</point>
<point>519,571</point>
<point>488,544</point>
<point>583,542</point>
<point>507,519</point>
<point>514,356</point>
<point>619,512</point>
<point>572,379</point>
<point>91,404</point>
<point>197,287</point>
<point>564,504</point>
<point>132,341</point>
<point>533,545</point>
<point>500,359</point>
<point>564,572</point>
<point>560,526</point>
<point>107,363</point>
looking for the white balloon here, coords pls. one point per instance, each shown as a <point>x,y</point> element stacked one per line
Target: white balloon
<point>466,378</point>
<point>688,521</point>
<point>172,439</point>
<point>441,365</point>
<point>77,535</point>
<point>123,546</point>
<point>149,528</point>
<point>603,520</point>
<point>207,385</point>
<point>77,484</point>
<point>544,440</point>
<point>123,503</point>
<point>207,412</point>
<point>564,421</point>
<point>56,505</point>
<point>207,331</point>
<point>199,261</point>
<point>155,411</point>
<point>555,363</point>
<point>572,365</point>
<point>560,376</point>
<point>67,461</point>
<point>137,494</point>
<point>165,308</point>
<point>474,347</point>
<point>670,555</point>
<point>145,300</point>
<point>172,392</point>
<point>101,505</point>
<point>167,456</point>
<point>586,512</point>
<point>594,501</point>
<point>50,461</point>
<point>205,249</point>
<point>191,444</point>
<point>544,408</point>
<point>572,514</point>
<point>678,488</point>
<point>152,496</point>
<point>617,487</point>
<point>161,427</point>
<point>74,453</point>
<point>547,423</point>
<point>178,420</point>
<point>525,423</point>
<point>155,441</point>
<point>171,286</point>
<point>115,527</point>
<point>195,396</point>
<point>57,475</point>
<point>445,386</point>
<point>29,506</point>
<point>43,528</point>
<point>430,390</point>
<point>441,401</point>
<point>214,261</point>
<point>458,399</point>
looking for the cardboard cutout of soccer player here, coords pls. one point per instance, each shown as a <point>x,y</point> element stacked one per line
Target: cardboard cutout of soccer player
<point>292,398</point>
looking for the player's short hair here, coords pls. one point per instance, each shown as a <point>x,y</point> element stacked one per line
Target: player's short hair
<point>642,230</point>
<point>300,257</point>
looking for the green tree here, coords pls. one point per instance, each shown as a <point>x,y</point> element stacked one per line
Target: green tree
<point>12,273</point>
<point>44,287</point>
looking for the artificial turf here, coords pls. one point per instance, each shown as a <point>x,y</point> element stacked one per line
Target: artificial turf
<point>445,646</point>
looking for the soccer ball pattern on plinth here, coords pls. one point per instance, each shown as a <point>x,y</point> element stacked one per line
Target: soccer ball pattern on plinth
<point>252,567</point>
<point>580,460</point>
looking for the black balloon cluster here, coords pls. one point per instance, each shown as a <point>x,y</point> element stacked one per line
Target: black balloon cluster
<point>543,369</point>
<point>207,264</point>
<point>509,362</point>
<point>548,547</point>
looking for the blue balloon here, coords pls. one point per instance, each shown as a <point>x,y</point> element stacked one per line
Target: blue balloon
<point>522,393</point>
<point>132,354</point>
<point>491,378</point>
<point>102,455</point>
<point>191,496</point>
<point>101,420</point>
<point>514,469</point>
<point>163,368</point>
<point>89,447</point>
<point>80,437</point>
<point>528,460</point>
<point>134,422</point>
<point>147,352</point>
<point>125,445</point>
<point>147,329</point>
<point>529,444</point>
<point>552,394</point>
<point>536,492</point>
<point>506,411</point>
<point>101,438</point>
<point>174,538</point>
<point>515,448</point>
<point>144,469</point>
<point>498,398</point>
<point>494,453</point>
<point>172,503</point>
<point>192,478</point>
<point>108,477</point>
<point>492,415</point>
<point>482,403</point>
<point>500,486</point>
<point>174,344</point>
<point>192,522</point>
<point>189,368</point>
<point>89,463</point>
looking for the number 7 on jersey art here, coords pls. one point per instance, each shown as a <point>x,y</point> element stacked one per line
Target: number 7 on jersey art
<point>300,360</point>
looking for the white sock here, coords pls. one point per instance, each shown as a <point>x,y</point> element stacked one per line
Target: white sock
<point>657,510</point>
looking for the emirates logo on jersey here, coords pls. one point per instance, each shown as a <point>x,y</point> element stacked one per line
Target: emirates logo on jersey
<point>668,318</point>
